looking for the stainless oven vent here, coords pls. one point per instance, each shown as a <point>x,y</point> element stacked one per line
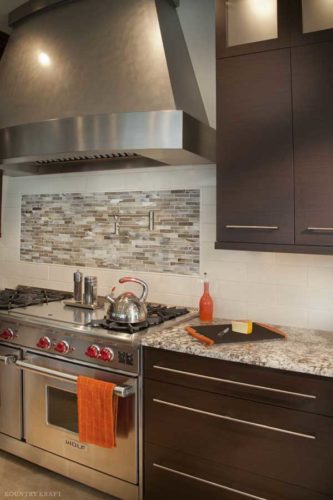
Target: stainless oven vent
<point>71,159</point>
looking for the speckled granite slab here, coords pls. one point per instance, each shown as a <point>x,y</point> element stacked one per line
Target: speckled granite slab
<point>305,351</point>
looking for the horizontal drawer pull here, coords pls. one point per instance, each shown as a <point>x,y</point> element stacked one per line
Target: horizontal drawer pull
<point>211,483</point>
<point>120,391</point>
<point>232,419</point>
<point>253,228</point>
<point>243,384</point>
<point>320,229</point>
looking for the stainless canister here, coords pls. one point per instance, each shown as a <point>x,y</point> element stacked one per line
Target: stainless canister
<point>90,290</point>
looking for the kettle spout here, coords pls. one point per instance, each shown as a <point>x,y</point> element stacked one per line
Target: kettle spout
<point>110,299</point>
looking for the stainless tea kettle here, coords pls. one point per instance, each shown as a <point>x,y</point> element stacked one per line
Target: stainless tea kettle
<point>128,308</point>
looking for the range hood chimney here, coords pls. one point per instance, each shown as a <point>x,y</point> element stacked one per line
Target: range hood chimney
<point>88,84</point>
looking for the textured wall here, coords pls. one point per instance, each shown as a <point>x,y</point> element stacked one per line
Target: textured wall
<point>287,289</point>
<point>79,229</point>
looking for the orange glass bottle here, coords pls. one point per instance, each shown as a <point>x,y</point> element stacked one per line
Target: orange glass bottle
<point>206,303</point>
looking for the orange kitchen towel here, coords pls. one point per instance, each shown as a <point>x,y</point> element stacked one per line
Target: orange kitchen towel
<point>97,411</point>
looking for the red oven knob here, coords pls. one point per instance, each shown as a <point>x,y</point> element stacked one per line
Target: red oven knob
<point>93,351</point>
<point>44,343</point>
<point>7,334</point>
<point>62,347</point>
<point>106,354</point>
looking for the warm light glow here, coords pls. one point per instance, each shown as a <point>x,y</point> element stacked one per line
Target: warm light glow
<point>317,15</point>
<point>264,8</point>
<point>250,21</point>
<point>44,59</point>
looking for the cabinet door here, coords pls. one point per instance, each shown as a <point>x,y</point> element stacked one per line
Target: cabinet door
<point>312,73</point>
<point>3,42</point>
<point>312,21</point>
<point>255,201</point>
<point>1,176</point>
<point>246,26</point>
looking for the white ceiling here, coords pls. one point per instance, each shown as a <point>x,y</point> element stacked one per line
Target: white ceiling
<point>7,6</point>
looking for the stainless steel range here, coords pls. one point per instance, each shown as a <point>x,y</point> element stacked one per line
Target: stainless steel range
<point>44,347</point>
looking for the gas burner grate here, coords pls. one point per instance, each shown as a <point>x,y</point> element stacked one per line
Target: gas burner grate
<point>120,327</point>
<point>164,312</point>
<point>157,314</point>
<point>23,296</point>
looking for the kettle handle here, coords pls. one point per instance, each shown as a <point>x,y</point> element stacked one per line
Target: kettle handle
<point>144,285</point>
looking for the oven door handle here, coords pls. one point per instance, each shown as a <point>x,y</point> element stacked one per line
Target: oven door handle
<point>120,391</point>
<point>8,359</point>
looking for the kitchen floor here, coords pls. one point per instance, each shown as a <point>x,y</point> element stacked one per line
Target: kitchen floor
<point>22,479</point>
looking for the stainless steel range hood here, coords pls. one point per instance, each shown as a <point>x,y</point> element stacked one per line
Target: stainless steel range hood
<point>88,84</point>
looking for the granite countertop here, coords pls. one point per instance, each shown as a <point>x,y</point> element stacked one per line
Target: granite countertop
<point>304,351</point>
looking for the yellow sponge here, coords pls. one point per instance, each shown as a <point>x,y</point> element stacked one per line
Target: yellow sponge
<point>242,326</point>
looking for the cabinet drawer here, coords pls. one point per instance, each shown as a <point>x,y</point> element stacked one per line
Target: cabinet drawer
<point>177,476</point>
<point>282,444</point>
<point>275,387</point>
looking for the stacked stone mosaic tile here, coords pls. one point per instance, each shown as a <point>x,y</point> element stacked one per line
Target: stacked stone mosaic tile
<point>78,229</point>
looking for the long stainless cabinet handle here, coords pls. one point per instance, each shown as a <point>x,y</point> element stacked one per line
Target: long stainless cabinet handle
<point>242,384</point>
<point>211,483</point>
<point>121,391</point>
<point>9,359</point>
<point>253,228</point>
<point>232,419</point>
<point>320,229</point>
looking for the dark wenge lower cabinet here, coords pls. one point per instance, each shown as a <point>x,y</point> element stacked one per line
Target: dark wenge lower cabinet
<point>172,475</point>
<point>222,430</point>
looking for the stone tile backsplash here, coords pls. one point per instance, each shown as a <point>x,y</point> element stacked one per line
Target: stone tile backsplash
<point>79,229</point>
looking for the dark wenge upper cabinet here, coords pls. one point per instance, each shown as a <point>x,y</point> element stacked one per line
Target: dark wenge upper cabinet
<point>247,26</point>
<point>1,176</point>
<point>312,21</point>
<point>255,188</point>
<point>312,80</point>
<point>3,42</point>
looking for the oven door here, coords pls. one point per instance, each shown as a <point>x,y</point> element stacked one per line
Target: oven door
<point>51,416</point>
<point>10,393</point>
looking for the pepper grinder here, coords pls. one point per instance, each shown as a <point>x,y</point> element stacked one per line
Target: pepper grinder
<point>78,277</point>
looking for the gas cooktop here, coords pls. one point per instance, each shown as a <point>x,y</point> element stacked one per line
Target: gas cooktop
<point>37,319</point>
<point>57,311</point>
<point>46,306</point>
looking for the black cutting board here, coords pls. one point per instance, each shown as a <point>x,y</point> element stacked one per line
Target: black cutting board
<point>258,334</point>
